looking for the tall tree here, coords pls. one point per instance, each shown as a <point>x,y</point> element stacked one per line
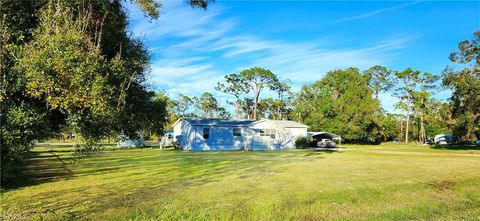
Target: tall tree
<point>249,81</point>
<point>421,99</point>
<point>282,88</point>
<point>183,104</point>
<point>255,80</point>
<point>465,86</point>
<point>340,103</point>
<point>379,79</point>
<point>401,106</point>
<point>246,107</point>
<point>414,87</point>
<point>207,104</point>
<point>409,79</point>
<point>71,62</point>
<point>234,86</point>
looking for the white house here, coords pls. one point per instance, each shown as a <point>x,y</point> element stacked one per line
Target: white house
<point>219,134</point>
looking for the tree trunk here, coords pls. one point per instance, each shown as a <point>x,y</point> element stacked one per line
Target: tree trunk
<point>422,128</point>
<point>401,128</point>
<point>408,119</point>
<point>237,109</point>
<point>257,94</point>
<point>279,114</point>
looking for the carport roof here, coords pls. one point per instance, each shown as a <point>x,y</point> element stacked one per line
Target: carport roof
<point>315,134</point>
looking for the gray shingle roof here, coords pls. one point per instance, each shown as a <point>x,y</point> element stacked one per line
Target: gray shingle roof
<point>289,123</point>
<point>233,123</point>
<point>219,122</point>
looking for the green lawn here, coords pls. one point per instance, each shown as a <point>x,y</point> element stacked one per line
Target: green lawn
<point>382,182</point>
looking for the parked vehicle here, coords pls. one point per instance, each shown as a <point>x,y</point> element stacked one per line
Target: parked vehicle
<point>326,143</point>
<point>131,143</point>
<point>167,140</point>
<point>441,139</point>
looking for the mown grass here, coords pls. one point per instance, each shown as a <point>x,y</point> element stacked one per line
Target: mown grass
<point>384,182</point>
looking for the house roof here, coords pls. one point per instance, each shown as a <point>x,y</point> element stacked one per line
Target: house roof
<point>233,123</point>
<point>215,122</point>
<point>284,123</point>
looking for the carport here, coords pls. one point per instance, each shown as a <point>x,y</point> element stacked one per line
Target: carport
<point>318,136</point>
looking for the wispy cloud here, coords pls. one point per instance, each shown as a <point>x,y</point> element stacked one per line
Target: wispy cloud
<point>194,49</point>
<point>372,13</point>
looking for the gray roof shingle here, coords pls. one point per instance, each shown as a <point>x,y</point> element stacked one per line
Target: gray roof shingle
<point>233,123</point>
<point>217,122</point>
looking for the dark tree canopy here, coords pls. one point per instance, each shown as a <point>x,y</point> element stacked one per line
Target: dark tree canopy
<point>72,65</point>
<point>340,103</point>
<point>465,85</point>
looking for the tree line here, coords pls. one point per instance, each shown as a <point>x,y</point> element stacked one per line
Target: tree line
<point>345,101</point>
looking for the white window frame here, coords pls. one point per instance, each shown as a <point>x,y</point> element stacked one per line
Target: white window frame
<point>272,133</point>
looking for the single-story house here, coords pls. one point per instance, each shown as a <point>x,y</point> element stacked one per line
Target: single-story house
<point>201,134</point>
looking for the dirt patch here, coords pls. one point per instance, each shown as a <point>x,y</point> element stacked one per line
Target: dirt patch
<point>442,185</point>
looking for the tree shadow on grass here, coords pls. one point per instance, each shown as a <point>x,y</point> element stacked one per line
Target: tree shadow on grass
<point>128,177</point>
<point>456,147</point>
<point>42,166</point>
<point>52,164</point>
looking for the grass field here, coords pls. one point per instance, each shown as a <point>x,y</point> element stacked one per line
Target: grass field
<point>385,182</point>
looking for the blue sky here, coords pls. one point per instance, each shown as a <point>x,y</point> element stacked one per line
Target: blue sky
<point>193,49</point>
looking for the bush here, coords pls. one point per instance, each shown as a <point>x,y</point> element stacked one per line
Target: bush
<point>303,142</point>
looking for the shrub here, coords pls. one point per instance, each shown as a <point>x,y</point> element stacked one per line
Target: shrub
<point>303,142</point>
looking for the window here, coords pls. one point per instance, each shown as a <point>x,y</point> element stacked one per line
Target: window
<point>237,132</point>
<point>206,133</point>
<point>267,133</point>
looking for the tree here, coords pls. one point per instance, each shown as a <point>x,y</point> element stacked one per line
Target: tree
<point>409,80</point>
<point>222,113</point>
<point>252,80</point>
<point>340,103</point>
<point>170,105</point>
<point>465,86</point>
<point>437,118</point>
<point>390,126</point>
<point>71,63</point>
<point>246,107</point>
<point>234,86</point>
<point>268,108</point>
<point>415,90</point>
<point>207,104</point>
<point>401,106</point>
<point>183,103</point>
<point>281,88</point>
<point>255,80</point>
<point>421,99</point>
<point>379,79</point>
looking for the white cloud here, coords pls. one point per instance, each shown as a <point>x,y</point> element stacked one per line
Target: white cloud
<point>372,13</point>
<point>194,49</point>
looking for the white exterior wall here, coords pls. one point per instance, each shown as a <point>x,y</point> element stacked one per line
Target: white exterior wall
<point>285,136</point>
<point>221,137</point>
<point>296,132</point>
<point>177,130</point>
<point>182,134</point>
